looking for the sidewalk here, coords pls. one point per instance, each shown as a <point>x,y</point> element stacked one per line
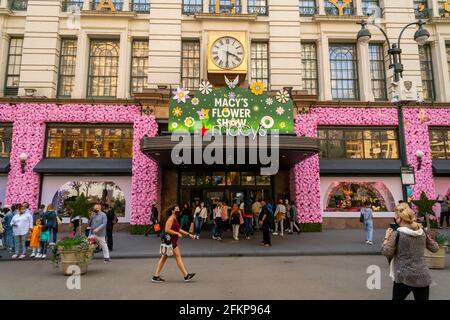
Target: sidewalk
<point>328,242</point>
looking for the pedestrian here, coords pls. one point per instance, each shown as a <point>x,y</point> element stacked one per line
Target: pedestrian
<point>45,239</point>
<point>2,232</point>
<point>112,221</point>
<point>9,235</point>
<point>247,216</point>
<point>39,213</point>
<point>35,238</point>
<point>173,230</point>
<point>200,219</point>
<point>272,220</point>
<point>154,219</point>
<point>235,219</point>
<point>280,216</point>
<point>75,221</point>
<point>367,218</point>
<point>52,222</point>
<point>98,228</point>
<point>185,216</point>
<point>218,222</point>
<point>292,214</point>
<point>22,224</point>
<point>405,247</point>
<point>445,212</point>
<point>265,218</point>
<point>256,210</point>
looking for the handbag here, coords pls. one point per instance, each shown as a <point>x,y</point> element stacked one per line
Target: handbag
<point>361,218</point>
<point>157,227</point>
<point>166,249</point>
<point>191,228</point>
<point>241,220</point>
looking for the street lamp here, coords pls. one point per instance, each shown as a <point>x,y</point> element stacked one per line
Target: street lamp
<point>421,36</point>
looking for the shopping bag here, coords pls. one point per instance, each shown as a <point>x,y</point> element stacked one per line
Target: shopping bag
<point>156,227</point>
<point>166,249</point>
<point>191,228</point>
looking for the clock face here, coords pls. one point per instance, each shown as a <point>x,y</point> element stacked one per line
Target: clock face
<point>227,53</point>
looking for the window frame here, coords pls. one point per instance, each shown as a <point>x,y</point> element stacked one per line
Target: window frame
<point>95,3</point>
<point>355,63</point>
<point>146,4</point>
<point>238,7</point>
<point>301,5</point>
<point>69,3</point>
<point>266,42</point>
<point>184,58</point>
<point>18,5</point>
<point>7,75</point>
<point>419,14</point>
<point>83,127</point>
<point>361,129</point>
<point>445,131</point>
<point>190,5</point>
<point>316,80</point>
<point>381,62</point>
<point>8,125</point>
<point>430,71</point>
<point>58,90</point>
<point>131,65</point>
<point>365,4</point>
<point>265,6</point>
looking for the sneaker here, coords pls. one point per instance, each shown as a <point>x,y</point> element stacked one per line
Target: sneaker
<point>106,260</point>
<point>275,233</point>
<point>188,277</point>
<point>370,242</point>
<point>367,241</point>
<point>43,256</point>
<point>38,255</point>
<point>248,238</point>
<point>33,255</point>
<point>282,235</point>
<point>158,279</point>
<point>219,238</point>
<point>14,256</point>
<point>215,238</point>
<point>22,256</point>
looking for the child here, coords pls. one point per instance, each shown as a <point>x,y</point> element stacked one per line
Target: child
<point>35,238</point>
<point>45,239</point>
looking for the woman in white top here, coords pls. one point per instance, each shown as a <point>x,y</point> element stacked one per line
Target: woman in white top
<point>200,215</point>
<point>280,216</point>
<point>22,224</point>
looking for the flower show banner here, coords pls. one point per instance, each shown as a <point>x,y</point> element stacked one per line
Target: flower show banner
<point>230,108</point>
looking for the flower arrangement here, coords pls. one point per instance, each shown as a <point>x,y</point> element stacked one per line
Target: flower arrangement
<point>82,244</point>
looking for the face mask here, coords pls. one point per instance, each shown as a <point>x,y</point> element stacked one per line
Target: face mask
<point>96,210</point>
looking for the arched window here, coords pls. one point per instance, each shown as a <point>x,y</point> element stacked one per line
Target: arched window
<point>103,68</point>
<point>344,75</point>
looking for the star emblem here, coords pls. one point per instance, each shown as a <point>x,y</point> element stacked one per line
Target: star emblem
<point>204,130</point>
<point>424,205</point>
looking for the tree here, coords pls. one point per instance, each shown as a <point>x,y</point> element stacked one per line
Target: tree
<point>80,207</point>
<point>425,207</point>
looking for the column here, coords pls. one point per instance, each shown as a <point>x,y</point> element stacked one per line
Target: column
<point>358,5</point>
<point>364,75</point>
<point>127,5</point>
<point>81,71</point>
<point>87,5</point>
<point>4,47</point>
<point>165,43</point>
<point>40,55</point>
<point>206,6</point>
<point>124,65</point>
<point>323,62</point>
<point>244,5</point>
<point>321,5</point>
<point>285,50</point>
<point>441,75</point>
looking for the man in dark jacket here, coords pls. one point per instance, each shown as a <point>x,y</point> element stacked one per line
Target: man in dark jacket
<point>112,220</point>
<point>265,220</point>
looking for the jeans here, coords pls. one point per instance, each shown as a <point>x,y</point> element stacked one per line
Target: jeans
<point>20,244</point>
<point>368,226</point>
<point>248,226</point>
<point>401,291</point>
<point>236,231</point>
<point>102,242</point>
<point>256,221</point>
<point>44,245</point>
<point>293,225</point>
<point>9,239</point>
<point>281,223</point>
<point>198,225</point>
<point>445,216</point>
<point>266,233</point>
<point>54,231</point>
<point>218,228</point>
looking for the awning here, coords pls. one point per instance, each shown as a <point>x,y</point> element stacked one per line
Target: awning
<point>4,165</point>
<point>292,149</point>
<point>81,166</point>
<point>357,166</point>
<point>441,167</point>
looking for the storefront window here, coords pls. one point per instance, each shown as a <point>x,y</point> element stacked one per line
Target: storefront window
<point>89,142</point>
<point>218,179</point>
<point>5,140</point>
<point>358,143</point>
<point>248,179</point>
<point>188,179</point>
<point>439,143</point>
<point>233,178</point>
<point>263,180</point>
<point>352,196</point>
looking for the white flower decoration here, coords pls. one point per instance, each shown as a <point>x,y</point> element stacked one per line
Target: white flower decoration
<point>189,122</point>
<point>174,125</point>
<point>267,122</point>
<point>269,101</point>
<point>205,87</point>
<point>195,101</point>
<point>181,95</point>
<point>280,110</point>
<point>282,96</point>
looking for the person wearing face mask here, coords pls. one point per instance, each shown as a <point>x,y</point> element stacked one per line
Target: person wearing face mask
<point>98,228</point>
<point>172,227</point>
<point>405,246</point>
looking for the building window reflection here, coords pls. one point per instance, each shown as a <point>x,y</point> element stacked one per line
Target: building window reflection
<point>344,74</point>
<point>5,140</point>
<point>18,5</point>
<point>358,143</point>
<point>426,70</point>
<point>13,67</point>
<point>439,143</point>
<point>103,68</point>
<point>139,63</point>
<point>192,6</point>
<point>190,64</point>
<point>260,62</point>
<point>225,6</point>
<point>89,141</point>
<point>67,65</point>
<point>309,68</point>
<point>378,71</point>
<point>72,4</point>
<point>141,6</point>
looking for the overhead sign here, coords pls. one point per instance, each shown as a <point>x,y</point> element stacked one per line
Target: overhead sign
<point>230,107</point>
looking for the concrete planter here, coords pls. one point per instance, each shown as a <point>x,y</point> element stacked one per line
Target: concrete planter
<point>74,257</point>
<point>436,260</point>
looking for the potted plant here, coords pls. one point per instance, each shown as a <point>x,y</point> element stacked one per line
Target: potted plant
<point>80,207</point>
<point>437,260</point>
<point>69,251</point>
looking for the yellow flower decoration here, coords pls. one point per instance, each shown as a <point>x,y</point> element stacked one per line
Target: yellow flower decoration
<point>177,112</point>
<point>257,88</point>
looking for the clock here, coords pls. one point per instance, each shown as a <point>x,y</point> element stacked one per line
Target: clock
<point>227,53</point>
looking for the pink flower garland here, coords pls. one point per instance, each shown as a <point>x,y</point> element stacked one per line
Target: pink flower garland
<point>29,136</point>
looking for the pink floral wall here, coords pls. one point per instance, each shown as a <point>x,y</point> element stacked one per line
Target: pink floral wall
<point>29,121</point>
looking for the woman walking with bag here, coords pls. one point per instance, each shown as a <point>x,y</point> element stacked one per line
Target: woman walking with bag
<point>235,219</point>
<point>200,218</point>
<point>405,247</point>
<point>173,229</point>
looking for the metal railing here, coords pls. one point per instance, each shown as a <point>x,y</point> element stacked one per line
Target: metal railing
<point>192,8</point>
<point>231,9</point>
<point>72,3</point>
<point>259,10</point>
<point>308,11</point>
<point>140,6</point>
<point>18,5</point>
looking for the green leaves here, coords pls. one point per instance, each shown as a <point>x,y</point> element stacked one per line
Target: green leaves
<point>80,207</point>
<point>424,205</point>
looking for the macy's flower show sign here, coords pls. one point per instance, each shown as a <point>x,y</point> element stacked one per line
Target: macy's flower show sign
<point>230,109</point>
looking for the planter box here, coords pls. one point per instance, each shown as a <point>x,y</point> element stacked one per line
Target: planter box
<point>436,260</point>
<point>74,257</point>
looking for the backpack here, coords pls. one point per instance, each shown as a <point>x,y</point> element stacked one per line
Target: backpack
<point>361,218</point>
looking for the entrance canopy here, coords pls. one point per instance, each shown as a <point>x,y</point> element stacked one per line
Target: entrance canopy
<point>291,150</point>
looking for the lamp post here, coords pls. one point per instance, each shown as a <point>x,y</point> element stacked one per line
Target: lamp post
<point>395,59</point>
